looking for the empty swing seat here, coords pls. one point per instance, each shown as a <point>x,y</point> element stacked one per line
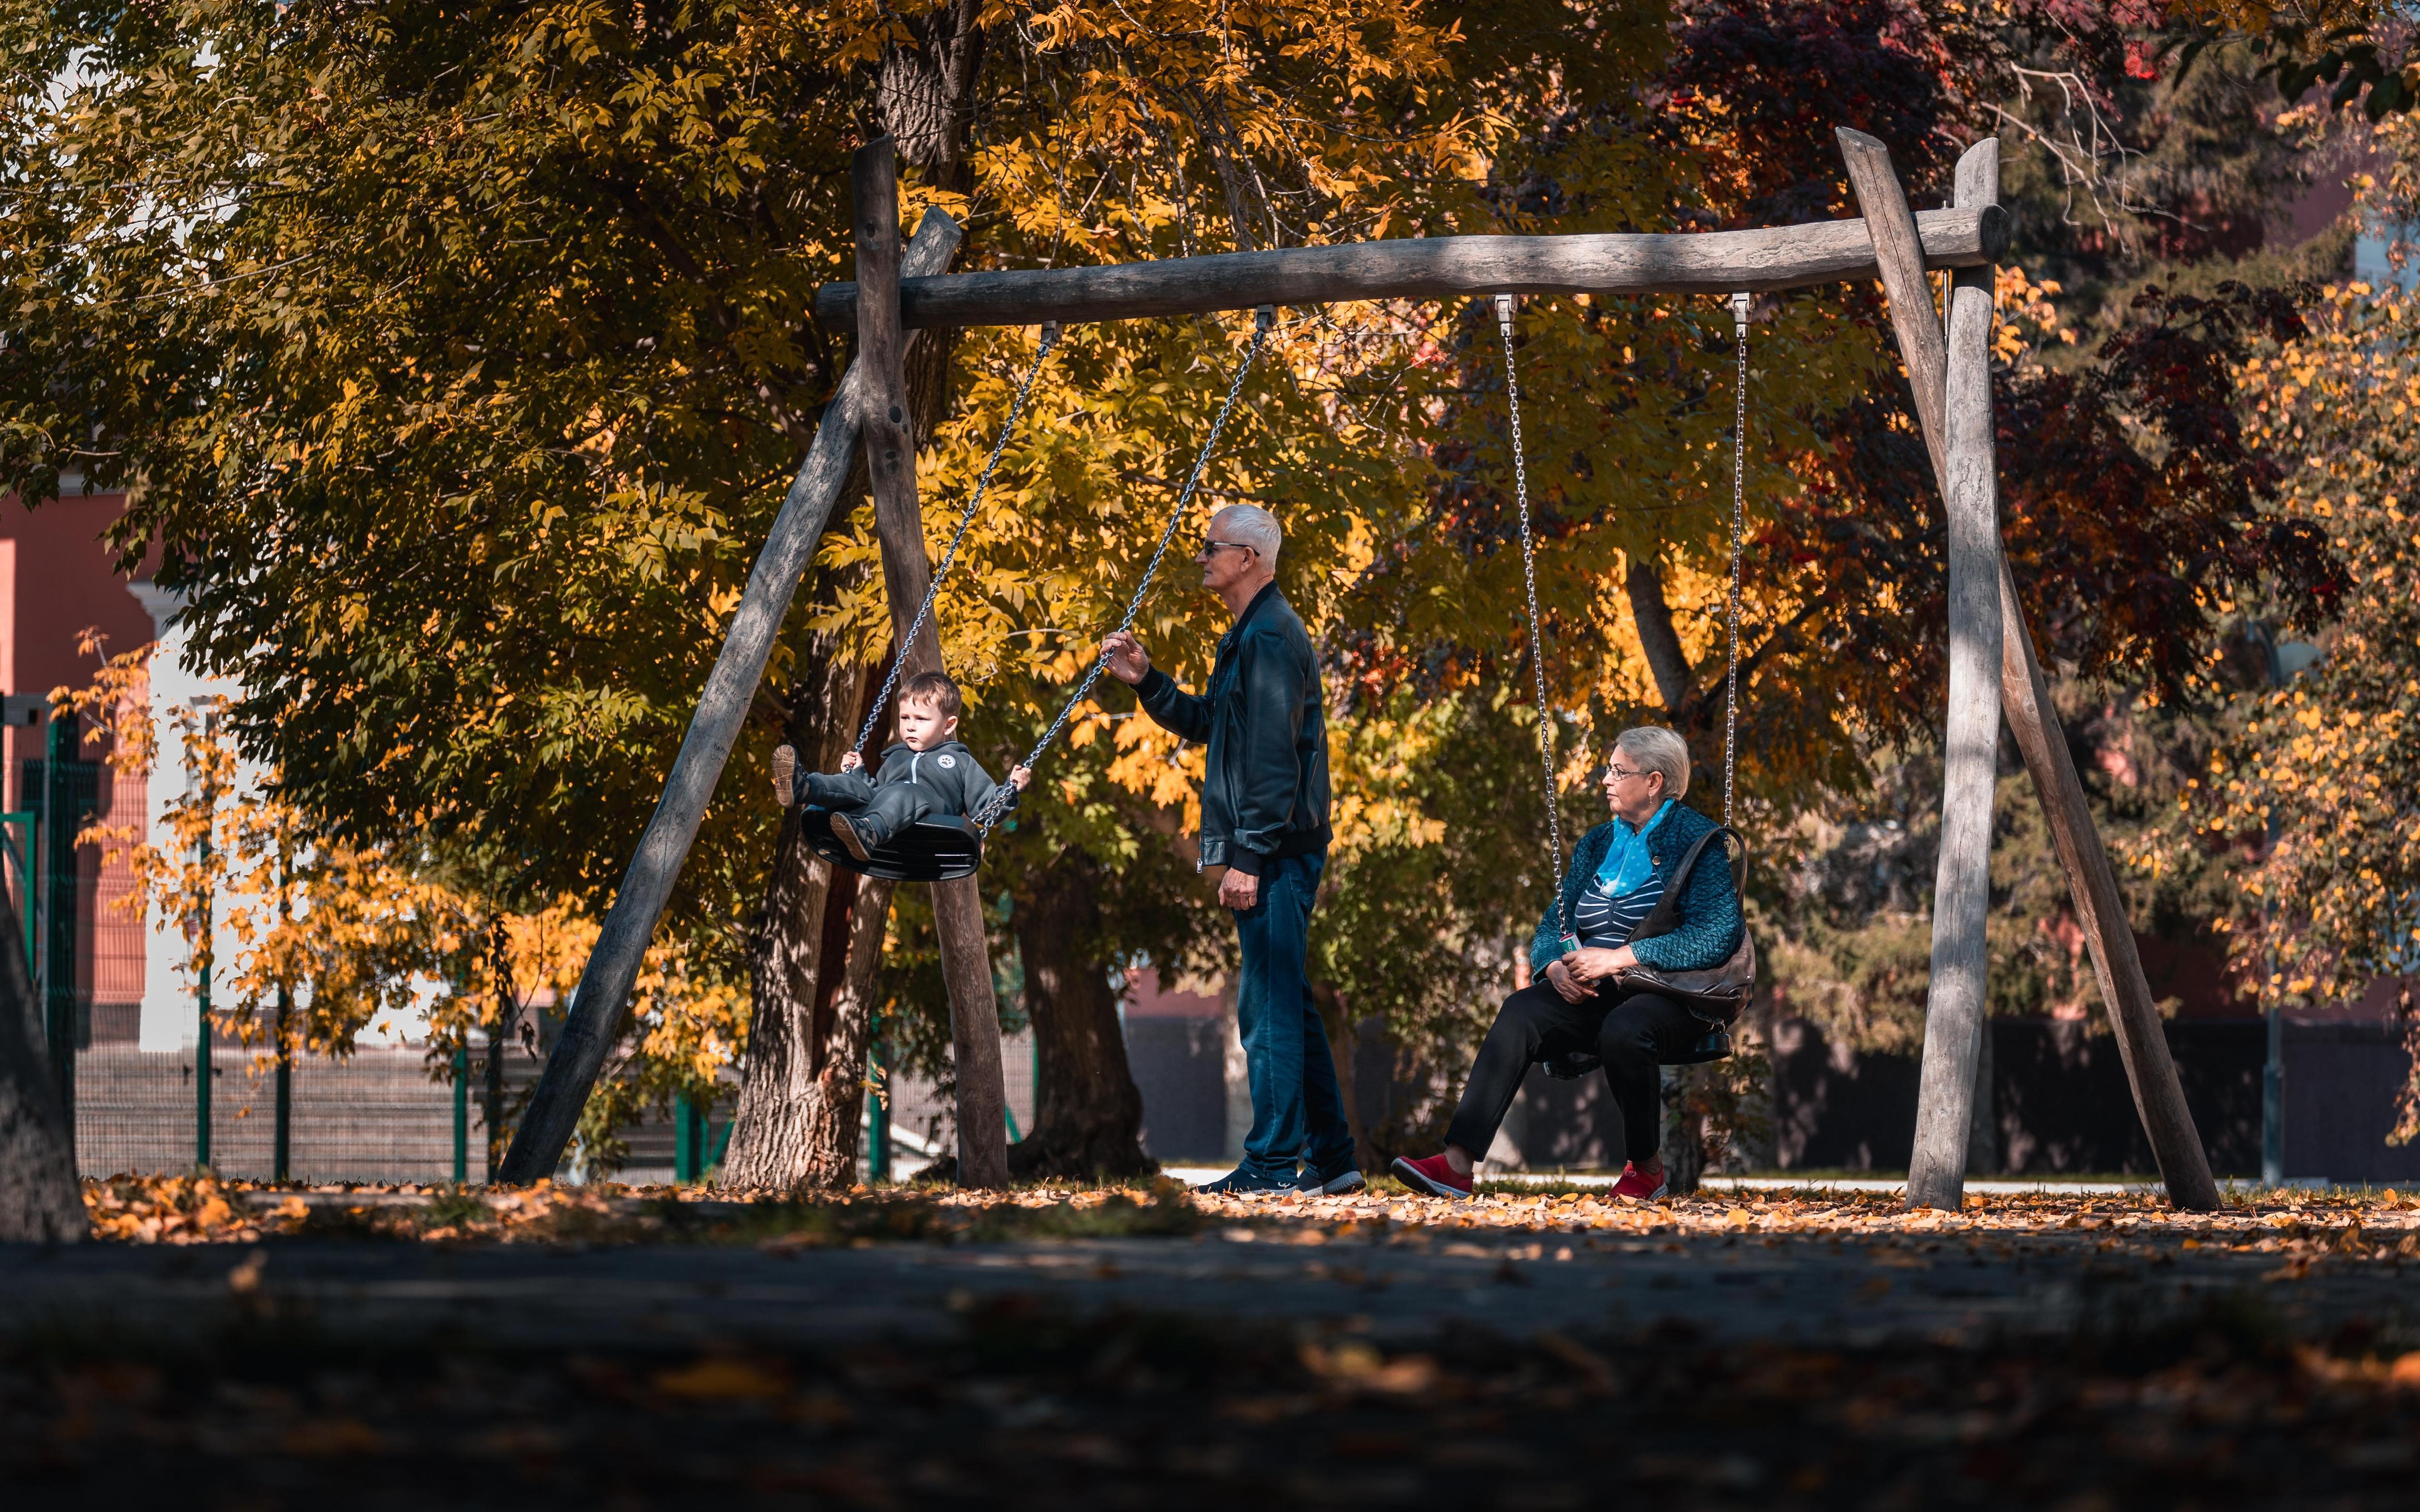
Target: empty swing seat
<point>932,850</point>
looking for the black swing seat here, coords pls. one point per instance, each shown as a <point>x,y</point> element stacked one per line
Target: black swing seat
<point>931,850</point>
<point>1572,1065</point>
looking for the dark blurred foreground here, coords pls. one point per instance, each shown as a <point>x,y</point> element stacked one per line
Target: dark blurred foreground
<point>1237,1368</point>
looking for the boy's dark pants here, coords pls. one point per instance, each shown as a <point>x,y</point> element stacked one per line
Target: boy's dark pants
<point>1634,1033</point>
<point>877,812</point>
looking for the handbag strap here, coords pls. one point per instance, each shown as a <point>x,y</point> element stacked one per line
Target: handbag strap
<point>1665,914</point>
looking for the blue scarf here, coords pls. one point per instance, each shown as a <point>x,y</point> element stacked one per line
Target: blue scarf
<point>1627,867</point>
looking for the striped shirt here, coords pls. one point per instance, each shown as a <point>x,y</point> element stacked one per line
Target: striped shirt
<point>1601,920</point>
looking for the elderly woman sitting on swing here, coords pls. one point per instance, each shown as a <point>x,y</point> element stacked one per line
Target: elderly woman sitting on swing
<point>1587,996</point>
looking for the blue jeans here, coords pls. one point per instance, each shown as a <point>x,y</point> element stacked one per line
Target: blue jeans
<point>1297,1108</point>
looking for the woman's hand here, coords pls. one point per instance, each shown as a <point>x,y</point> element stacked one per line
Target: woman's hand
<point>1594,962</point>
<point>1558,975</point>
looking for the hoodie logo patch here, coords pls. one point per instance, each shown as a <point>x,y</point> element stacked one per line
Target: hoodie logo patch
<point>948,762</point>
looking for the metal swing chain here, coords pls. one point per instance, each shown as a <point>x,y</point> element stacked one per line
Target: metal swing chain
<point>1263,321</point>
<point>1739,507</point>
<point>1530,582</point>
<point>966,522</point>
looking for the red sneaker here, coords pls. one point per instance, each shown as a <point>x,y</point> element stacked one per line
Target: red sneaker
<point>1635,1183</point>
<point>1433,1176</point>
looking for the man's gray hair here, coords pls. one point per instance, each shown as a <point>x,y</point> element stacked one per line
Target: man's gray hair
<point>1658,749</point>
<point>1249,525</point>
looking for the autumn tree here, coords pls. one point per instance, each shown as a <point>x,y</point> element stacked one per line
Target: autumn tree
<point>2317,791</point>
<point>463,353</point>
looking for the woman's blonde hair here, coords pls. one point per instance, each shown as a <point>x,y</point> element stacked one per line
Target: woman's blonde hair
<point>1658,749</point>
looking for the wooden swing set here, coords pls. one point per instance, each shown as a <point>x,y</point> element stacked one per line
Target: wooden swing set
<point>1994,669</point>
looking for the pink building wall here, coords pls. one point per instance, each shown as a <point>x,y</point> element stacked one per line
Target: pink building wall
<point>56,580</point>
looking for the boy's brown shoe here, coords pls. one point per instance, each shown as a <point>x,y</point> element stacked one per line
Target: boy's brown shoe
<point>846,834</point>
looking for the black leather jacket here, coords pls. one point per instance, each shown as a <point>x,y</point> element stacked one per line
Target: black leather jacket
<point>1264,788</point>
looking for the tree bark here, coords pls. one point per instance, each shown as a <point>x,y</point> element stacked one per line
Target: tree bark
<point>1674,680</point>
<point>1087,1111</point>
<point>924,90</point>
<point>40,1202</point>
<point>836,1113</point>
<point>796,951</point>
<point>1684,1147</point>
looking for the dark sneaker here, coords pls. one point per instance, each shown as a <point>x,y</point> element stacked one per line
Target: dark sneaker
<point>1332,1183</point>
<point>1245,1182</point>
<point>1636,1183</point>
<point>1433,1176</point>
<point>1571,1064</point>
<point>850,839</point>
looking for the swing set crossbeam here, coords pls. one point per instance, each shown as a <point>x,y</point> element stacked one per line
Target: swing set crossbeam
<point>1429,268</point>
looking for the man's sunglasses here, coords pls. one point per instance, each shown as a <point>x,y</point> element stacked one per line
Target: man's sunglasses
<point>1211,549</point>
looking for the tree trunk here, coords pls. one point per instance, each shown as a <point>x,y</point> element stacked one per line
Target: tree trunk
<point>1684,1147</point>
<point>1088,1113</point>
<point>796,950</point>
<point>923,94</point>
<point>836,1112</point>
<point>1674,681</point>
<point>39,1200</point>
<point>924,99</point>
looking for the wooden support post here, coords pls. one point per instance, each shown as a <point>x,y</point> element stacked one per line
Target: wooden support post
<point>1952,380</point>
<point>907,573</point>
<point>595,1018</point>
<point>2142,1045</point>
<point>2133,1013</point>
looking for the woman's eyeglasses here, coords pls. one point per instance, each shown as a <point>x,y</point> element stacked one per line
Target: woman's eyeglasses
<point>1616,773</point>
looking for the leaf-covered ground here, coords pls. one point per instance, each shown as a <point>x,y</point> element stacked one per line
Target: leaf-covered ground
<point>1058,1348</point>
<point>2294,1223</point>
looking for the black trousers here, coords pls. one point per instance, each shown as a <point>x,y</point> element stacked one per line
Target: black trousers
<point>879,810</point>
<point>1634,1033</point>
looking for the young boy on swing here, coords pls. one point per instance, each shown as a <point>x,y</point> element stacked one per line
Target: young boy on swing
<point>928,775</point>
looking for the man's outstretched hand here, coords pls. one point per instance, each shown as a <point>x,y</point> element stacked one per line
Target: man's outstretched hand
<point>1240,889</point>
<point>1129,663</point>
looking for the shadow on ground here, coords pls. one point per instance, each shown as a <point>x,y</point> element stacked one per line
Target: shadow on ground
<point>2073,1354</point>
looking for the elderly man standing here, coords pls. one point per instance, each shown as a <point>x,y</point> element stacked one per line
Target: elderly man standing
<point>1265,819</point>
